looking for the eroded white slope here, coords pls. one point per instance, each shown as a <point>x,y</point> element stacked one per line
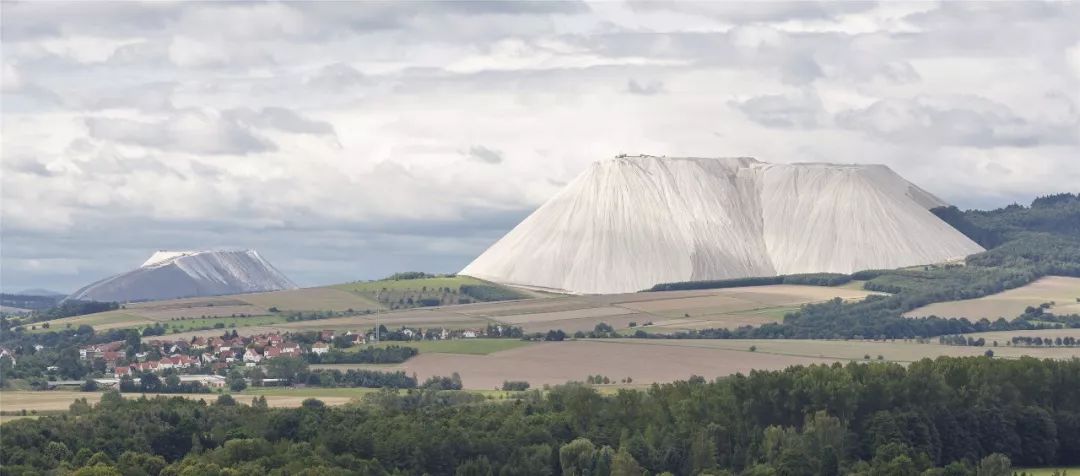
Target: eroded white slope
<point>632,222</point>
<point>177,274</point>
<point>845,218</point>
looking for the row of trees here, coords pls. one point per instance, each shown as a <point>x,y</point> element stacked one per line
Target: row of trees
<point>809,279</point>
<point>369,355</point>
<point>151,382</point>
<point>1038,341</point>
<point>934,417</point>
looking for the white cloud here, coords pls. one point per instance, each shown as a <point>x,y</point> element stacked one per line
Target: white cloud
<point>959,120</point>
<point>1072,59</point>
<point>188,52</point>
<point>344,140</point>
<point>11,79</point>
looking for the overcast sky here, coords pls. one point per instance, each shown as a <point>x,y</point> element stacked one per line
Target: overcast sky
<point>347,141</point>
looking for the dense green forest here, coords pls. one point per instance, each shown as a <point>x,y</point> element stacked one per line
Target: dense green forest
<point>1025,243</point>
<point>934,417</point>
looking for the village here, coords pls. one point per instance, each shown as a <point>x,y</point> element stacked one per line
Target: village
<point>208,360</point>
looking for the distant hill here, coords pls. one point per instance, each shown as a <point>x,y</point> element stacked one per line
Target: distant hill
<point>28,301</point>
<point>180,274</point>
<point>41,292</point>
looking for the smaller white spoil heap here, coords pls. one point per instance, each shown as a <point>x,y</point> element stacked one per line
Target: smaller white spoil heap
<point>629,223</point>
<point>179,274</point>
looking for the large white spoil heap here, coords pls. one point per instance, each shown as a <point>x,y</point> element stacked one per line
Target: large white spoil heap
<point>179,274</point>
<point>629,223</point>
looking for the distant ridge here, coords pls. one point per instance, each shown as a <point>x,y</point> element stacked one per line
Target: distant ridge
<point>629,223</point>
<point>40,292</point>
<point>179,274</point>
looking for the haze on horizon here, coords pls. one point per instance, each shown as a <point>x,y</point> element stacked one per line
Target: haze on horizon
<point>347,141</point>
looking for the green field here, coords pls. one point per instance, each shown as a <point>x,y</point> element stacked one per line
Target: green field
<point>372,287</point>
<point>227,322</point>
<point>853,284</point>
<point>99,321</point>
<point>407,293</point>
<point>308,392</point>
<point>1074,470</point>
<point>458,346</point>
<point>776,313</point>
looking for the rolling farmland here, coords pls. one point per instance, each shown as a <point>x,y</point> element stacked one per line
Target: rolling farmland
<point>667,311</point>
<point>648,361</point>
<point>1064,292</point>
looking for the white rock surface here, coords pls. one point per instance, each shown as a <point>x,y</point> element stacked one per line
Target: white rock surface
<point>179,274</point>
<point>629,223</point>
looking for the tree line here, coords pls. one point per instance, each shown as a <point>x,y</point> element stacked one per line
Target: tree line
<point>949,416</point>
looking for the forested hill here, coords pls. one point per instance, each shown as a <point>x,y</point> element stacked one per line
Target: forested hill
<point>1053,214</point>
<point>861,419</point>
<point>1024,244</point>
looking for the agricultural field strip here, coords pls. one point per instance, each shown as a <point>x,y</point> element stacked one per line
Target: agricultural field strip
<point>883,348</point>
<point>747,350</point>
<point>54,400</point>
<point>191,303</point>
<point>610,311</point>
<point>1011,303</point>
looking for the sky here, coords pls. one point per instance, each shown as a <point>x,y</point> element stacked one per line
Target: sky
<point>347,141</point>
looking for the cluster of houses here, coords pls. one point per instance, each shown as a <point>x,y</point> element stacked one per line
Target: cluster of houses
<point>215,353</point>
<point>221,352</point>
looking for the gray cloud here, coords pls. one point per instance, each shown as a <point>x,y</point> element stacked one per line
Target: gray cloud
<point>647,89</point>
<point>336,77</point>
<point>189,131</point>
<point>800,70</point>
<point>741,12</point>
<point>33,20</point>
<point>279,118</point>
<point>955,121</point>
<point>802,110</point>
<point>484,154</point>
<point>152,97</point>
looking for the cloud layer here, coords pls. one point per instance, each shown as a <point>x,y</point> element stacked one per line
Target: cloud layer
<point>347,143</point>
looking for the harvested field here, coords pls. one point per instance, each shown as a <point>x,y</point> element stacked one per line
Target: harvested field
<point>560,362</point>
<point>895,351</point>
<point>102,321</point>
<point>1009,304</point>
<point>168,314</point>
<point>722,321</point>
<point>410,318</point>
<point>13,401</point>
<point>1006,336</point>
<point>661,360</point>
<point>565,315</point>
